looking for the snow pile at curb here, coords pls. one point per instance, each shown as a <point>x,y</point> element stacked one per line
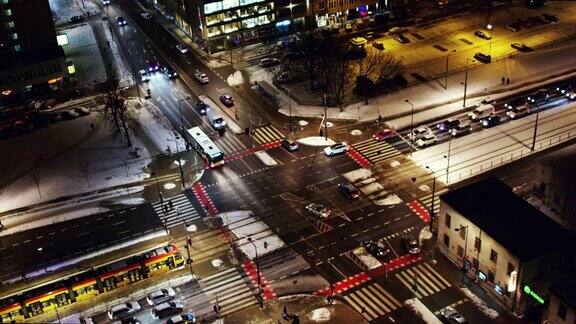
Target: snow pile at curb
<point>316,141</point>
<point>357,175</point>
<point>266,158</point>
<point>368,260</point>
<point>320,314</point>
<point>243,224</point>
<point>422,311</point>
<point>480,304</point>
<point>235,79</point>
<point>391,199</point>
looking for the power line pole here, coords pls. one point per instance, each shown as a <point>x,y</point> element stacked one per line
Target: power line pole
<point>535,128</point>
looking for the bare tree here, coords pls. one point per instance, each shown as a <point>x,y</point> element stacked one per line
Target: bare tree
<point>116,113</point>
<point>35,176</point>
<point>340,82</point>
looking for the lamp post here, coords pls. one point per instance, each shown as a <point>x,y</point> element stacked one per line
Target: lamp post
<point>535,127</point>
<point>40,249</point>
<point>466,81</point>
<point>464,228</point>
<point>325,118</point>
<point>260,300</point>
<point>489,27</point>
<point>411,126</point>
<point>432,211</point>
<point>447,157</point>
<point>446,72</point>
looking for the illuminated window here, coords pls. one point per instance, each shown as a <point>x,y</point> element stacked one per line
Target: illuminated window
<point>7,12</point>
<point>9,25</point>
<point>17,48</point>
<point>4,1</point>
<point>212,7</point>
<point>226,4</point>
<point>15,36</point>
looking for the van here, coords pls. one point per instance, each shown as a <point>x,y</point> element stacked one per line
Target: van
<point>481,112</point>
<point>216,121</point>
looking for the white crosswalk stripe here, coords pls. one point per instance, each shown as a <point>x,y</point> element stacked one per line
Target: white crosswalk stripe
<point>267,134</point>
<point>372,301</point>
<point>182,210</point>
<point>230,290</point>
<point>426,200</point>
<point>229,144</point>
<point>428,280</point>
<point>376,151</point>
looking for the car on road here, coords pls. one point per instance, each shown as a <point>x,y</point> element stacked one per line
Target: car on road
<point>448,124</point>
<point>376,250</point>
<point>121,21</point>
<point>427,140</point>
<point>201,107</point>
<point>461,129</point>
<point>484,58</point>
<point>383,134</point>
<point>160,296</point>
<point>482,34</point>
<point>289,145</point>
<point>538,96</point>
<point>337,148</point>
<point>401,39</point>
<point>144,77</point>
<point>201,77</point>
<point>123,310</point>
<point>347,190</point>
<point>227,100</point>
<point>167,309</point>
<point>82,111</point>
<point>550,18</point>
<point>169,72</point>
<point>85,320</point>
<point>520,47</point>
<point>146,15</point>
<point>491,121</point>
<point>105,2</point>
<point>450,315</point>
<point>411,245</point>
<point>69,114</point>
<point>514,103</point>
<point>269,61</point>
<point>76,19</point>
<point>182,48</point>
<point>513,27</point>
<point>518,112</point>
<point>420,132</point>
<point>318,210</point>
<point>287,76</point>
<point>186,318</point>
<point>571,95</point>
<point>153,66</point>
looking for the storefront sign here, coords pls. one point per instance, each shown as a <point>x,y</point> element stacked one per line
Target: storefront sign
<point>534,295</point>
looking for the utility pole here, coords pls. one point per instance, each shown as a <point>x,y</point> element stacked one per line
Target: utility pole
<point>536,127</point>
<point>260,300</point>
<point>188,246</point>
<point>432,213</point>
<point>447,157</point>
<point>159,191</point>
<point>411,127</point>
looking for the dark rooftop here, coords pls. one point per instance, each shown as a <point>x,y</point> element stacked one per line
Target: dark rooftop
<point>565,289</point>
<point>515,224</point>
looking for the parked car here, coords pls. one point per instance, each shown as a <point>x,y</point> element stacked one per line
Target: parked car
<point>427,140</point>
<point>401,39</point>
<point>513,27</point>
<point>318,210</point>
<point>482,34</point>
<point>537,20</point>
<point>76,19</point>
<point>201,77</point>
<point>518,112</point>
<point>85,320</point>
<point>491,121</point>
<point>146,15</point>
<point>23,126</point>
<point>550,18</point>
<point>484,58</point>
<point>448,124</point>
<point>169,72</point>
<point>227,100</point>
<point>347,190</point>
<point>378,44</point>
<point>520,47</point>
<point>186,318</point>
<point>376,250</point>
<point>411,245</point>
<point>121,21</point>
<point>129,320</point>
<point>420,132</point>
<point>167,309</point>
<point>182,48</point>
<point>538,96</point>
<point>201,107</point>
<point>160,296</point>
<point>144,77</point>
<point>69,115</point>
<point>289,145</point>
<point>82,111</point>
<point>123,310</point>
<point>269,61</point>
<point>153,66</point>
<point>383,134</point>
<point>337,148</point>
<point>461,129</point>
<point>450,315</point>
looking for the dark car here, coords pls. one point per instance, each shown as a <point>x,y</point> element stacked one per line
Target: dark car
<point>411,245</point>
<point>169,72</point>
<point>153,66</point>
<point>514,103</point>
<point>537,20</point>
<point>520,47</point>
<point>227,100</point>
<point>484,58</point>
<point>401,39</point>
<point>482,34</point>
<point>130,320</point>
<point>448,124</point>
<point>82,111</point>
<point>491,121</point>
<point>289,145</point>
<point>347,190</point>
<point>376,250</point>
<point>515,27</point>
<point>76,19</point>
<point>550,18</point>
<point>121,21</point>
<point>201,107</point>
<point>538,96</point>
<point>293,56</point>
<point>167,309</point>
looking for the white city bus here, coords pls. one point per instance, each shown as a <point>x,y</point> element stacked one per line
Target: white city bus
<point>205,147</point>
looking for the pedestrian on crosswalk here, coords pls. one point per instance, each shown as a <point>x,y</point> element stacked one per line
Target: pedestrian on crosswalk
<point>170,204</point>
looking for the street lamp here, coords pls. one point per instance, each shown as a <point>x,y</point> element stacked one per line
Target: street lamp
<point>557,28</point>
<point>447,157</point>
<point>536,127</point>
<point>411,126</point>
<point>489,27</point>
<point>465,83</point>
<point>464,228</point>
<point>432,209</point>
<point>260,300</point>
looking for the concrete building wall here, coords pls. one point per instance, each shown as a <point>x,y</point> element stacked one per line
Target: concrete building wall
<point>555,184</point>
<point>556,312</point>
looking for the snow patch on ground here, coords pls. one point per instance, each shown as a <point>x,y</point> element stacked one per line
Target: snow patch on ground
<point>122,68</point>
<point>391,199</point>
<point>425,234</point>
<point>368,260</point>
<point>320,315</point>
<point>217,63</point>
<point>235,79</point>
<point>480,304</point>
<point>316,141</point>
<point>422,311</point>
<point>370,188</point>
<point>244,224</point>
<point>303,122</point>
<point>130,201</point>
<point>266,158</point>
<point>357,175</point>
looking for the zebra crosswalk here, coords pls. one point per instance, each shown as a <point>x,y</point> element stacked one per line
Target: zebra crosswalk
<point>267,134</point>
<point>230,290</point>
<point>229,144</point>
<point>427,279</point>
<point>372,301</point>
<point>426,200</point>
<point>376,151</point>
<point>182,210</point>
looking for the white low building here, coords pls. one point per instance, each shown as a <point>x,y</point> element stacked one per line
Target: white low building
<point>511,249</point>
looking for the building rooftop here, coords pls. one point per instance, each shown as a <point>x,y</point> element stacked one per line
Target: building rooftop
<point>515,224</point>
<point>565,289</point>
<point>565,157</point>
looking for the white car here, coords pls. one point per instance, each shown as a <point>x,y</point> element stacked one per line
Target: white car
<point>146,15</point>
<point>201,77</point>
<point>182,48</point>
<point>450,315</point>
<point>123,310</point>
<point>420,132</point>
<point>336,149</point>
<point>426,140</point>
<point>160,296</point>
<point>144,75</point>
<point>167,309</point>
<point>318,210</point>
